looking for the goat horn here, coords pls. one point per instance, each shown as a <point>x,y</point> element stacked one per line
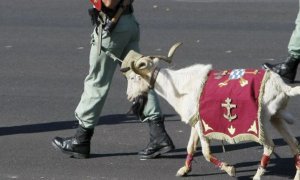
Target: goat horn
<point>138,70</point>
<point>132,66</point>
<point>172,50</point>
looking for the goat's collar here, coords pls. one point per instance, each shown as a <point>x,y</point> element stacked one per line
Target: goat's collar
<point>153,77</point>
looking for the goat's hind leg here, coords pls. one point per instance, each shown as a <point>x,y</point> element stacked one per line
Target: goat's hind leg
<point>280,125</point>
<point>191,149</point>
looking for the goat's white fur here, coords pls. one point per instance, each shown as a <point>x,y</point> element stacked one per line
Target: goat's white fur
<point>181,89</point>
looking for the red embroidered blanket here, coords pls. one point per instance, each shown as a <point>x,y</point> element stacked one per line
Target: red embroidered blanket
<point>229,106</point>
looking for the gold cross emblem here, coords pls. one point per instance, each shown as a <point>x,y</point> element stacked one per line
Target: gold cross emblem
<point>229,106</point>
<point>234,75</point>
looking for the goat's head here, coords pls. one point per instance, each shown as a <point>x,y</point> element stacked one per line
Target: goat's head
<point>141,71</point>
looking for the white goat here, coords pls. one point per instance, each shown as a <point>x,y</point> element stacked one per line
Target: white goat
<point>182,88</point>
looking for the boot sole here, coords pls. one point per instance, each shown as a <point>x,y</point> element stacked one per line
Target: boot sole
<point>157,153</point>
<point>72,154</point>
<point>283,78</point>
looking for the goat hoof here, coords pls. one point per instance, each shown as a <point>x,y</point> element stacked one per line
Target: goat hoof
<point>260,171</point>
<point>183,171</point>
<point>229,169</point>
<point>257,178</point>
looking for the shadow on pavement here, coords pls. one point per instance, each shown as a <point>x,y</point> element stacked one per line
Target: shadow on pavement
<point>113,154</point>
<point>71,124</point>
<point>280,166</point>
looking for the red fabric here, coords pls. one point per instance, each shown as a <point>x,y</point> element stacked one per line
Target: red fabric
<point>265,161</point>
<point>97,4</point>
<point>215,161</point>
<point>297,161</point>
<point>223,85</point>
<point>188,161</point>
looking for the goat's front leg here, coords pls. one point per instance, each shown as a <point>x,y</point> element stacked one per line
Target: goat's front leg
<point>268,150</point>
<point>191,149</point>
<point>230,170</point>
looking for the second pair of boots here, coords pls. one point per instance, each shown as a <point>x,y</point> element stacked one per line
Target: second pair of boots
<point>160,142</point>
<point>287,69</point>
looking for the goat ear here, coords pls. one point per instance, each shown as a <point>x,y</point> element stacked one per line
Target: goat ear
<point>124,70</point>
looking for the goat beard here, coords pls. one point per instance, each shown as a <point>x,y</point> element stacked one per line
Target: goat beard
<point>138,105</point>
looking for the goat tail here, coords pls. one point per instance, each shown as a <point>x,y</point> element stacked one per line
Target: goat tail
<point>293,91</point>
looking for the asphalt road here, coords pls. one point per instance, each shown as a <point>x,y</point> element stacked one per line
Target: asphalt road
<point>44,48</point>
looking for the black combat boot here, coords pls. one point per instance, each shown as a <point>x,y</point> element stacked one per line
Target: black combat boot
<point>160,142</point>
<point>287,70</point>
<point>77,146</point>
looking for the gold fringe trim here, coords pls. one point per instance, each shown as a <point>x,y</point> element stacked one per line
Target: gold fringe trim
<point>261,138</point>
<point>231,140</point>
<point>194,119</point>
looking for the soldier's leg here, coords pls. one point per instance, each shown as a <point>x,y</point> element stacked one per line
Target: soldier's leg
<point>96,86</point>
<point>160,142</point>
<point>102,68</point>
<point>152,109</point>
<point>294,44</point>
<point>288,69</point>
